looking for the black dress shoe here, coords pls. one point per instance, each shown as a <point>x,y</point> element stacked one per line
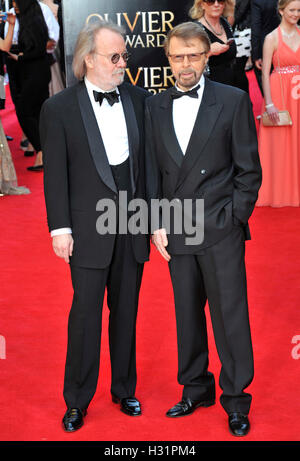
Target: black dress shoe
<point>187,406</point>
<point>238,424</point>
<point>129,405</point>
<point>73,419</point>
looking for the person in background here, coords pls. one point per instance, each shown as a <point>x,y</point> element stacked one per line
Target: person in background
<point>222,63</point>
<point>279,146</point>
<point>14,70</point>
<point>57,81</point>
<point>242,35</point>
<point>34,69</point>
<point>8,177</point>
<point>264,19</point>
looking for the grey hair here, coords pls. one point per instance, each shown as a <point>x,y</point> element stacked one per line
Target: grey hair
<point>186,31</point>
<point>85,44</point>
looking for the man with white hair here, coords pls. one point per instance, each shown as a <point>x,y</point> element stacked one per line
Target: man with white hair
<point>92,139</point>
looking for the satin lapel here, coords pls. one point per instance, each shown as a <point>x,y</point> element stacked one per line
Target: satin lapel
<point>133,134</point>
<point>167,129</point>
<point>207,116</point>
<point>94,138</point>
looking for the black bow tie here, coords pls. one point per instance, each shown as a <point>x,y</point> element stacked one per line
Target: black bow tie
<point>175,94</point>
<point>111,97</point>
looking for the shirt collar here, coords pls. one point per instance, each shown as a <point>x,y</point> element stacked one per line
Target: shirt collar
<point>91,87</point>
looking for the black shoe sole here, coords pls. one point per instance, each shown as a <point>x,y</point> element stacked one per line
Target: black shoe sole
<point>205,404</point>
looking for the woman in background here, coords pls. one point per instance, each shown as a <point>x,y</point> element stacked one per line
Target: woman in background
<point>211,15</point>
<point>8,177</point>
<point>34,67</point>
<point>279,146</point>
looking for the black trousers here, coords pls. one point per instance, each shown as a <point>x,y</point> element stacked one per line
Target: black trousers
<point>122,280</point>
<point>217,275</point>
<point>29,88</point>
<point>34,91</point>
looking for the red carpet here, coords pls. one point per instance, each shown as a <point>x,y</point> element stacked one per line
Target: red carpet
<point>35,295</point>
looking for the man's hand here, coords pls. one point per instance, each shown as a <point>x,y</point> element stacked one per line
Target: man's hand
<point>160,240</point>
<point>63,246</point>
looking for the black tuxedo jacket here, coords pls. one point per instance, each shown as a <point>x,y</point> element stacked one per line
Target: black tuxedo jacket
<point>264,19</point>
<point>221,164</point>
<point>77,173</point>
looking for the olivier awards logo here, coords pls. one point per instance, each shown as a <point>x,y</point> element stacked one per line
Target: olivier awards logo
<point>146,32</point>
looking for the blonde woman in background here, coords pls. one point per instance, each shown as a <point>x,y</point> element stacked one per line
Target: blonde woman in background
<point>211,14</point>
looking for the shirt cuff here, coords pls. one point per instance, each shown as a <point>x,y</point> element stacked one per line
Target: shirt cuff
<point>63,230</point>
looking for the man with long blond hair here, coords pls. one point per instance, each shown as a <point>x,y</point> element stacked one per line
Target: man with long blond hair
<point>92,137</point>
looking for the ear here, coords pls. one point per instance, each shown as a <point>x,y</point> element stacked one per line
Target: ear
<point>206,58</point>
<point>89,61</point>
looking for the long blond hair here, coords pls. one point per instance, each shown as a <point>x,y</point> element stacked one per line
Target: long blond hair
<point>197,12</point>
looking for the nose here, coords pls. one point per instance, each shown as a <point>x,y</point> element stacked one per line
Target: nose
<point>186,61</point>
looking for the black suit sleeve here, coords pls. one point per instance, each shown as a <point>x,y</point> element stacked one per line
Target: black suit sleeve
<point>56,186</point>
<point>256,30</point>
<point>248,176</point>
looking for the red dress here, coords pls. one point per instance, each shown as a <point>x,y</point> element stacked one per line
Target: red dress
<point>279,147</point>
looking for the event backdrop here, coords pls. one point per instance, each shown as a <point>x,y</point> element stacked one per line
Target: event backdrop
<point>146,23</point>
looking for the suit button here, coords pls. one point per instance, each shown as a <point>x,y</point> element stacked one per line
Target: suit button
<point>203,171</point>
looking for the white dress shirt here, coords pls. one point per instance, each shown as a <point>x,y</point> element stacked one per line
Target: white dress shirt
<point>185,110</point>
<point>112,126</point>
